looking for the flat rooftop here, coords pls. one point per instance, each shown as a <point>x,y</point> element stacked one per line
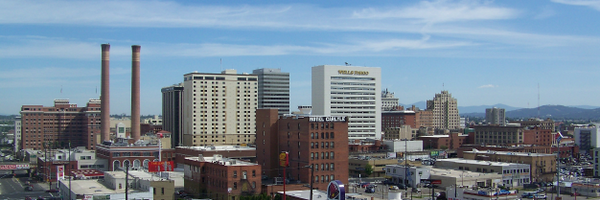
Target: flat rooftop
<point>463,173</point>
<point>222,161</point>
<point>480,162</point>
<point>508,153</point>
<point>219,148</point>
<point>93,187</point>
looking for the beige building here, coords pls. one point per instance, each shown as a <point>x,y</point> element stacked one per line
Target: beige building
<point>445,111</point>
<point>400,133</point>
<point>543,166</point>
<point>162,188</point>
<point>512,174</point>
<point>220,108</point>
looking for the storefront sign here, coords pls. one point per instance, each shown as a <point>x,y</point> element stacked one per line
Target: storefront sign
<point>336,190</point>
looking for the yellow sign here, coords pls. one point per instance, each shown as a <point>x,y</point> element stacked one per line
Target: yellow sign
<point>350,72</point>
<point>283,159</point>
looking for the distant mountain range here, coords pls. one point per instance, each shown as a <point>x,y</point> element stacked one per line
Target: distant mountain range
<point>581,112</point>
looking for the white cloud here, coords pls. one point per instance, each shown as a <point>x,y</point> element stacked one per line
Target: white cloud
<point>487,86</point>
<point>440,11</point>
<point>594,4</point>
<point>546,12</point>
<point>446,24</point>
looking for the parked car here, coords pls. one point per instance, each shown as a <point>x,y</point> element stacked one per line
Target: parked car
<point>393,187</point>
<point>527,195</point>
<point>365,184</point>
<point>401,186</point>
<point>540,196</point>
<point>370,190</point>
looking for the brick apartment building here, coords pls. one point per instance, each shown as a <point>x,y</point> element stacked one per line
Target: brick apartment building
<point>451,141</point>
<point>390,119</point>
<point>506,135</point>
<point>221,178</point>
<point>54,127</point>
<point>320,142</point>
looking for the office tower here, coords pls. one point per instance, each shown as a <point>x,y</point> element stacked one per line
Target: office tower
<point>349,91</point>
<point>172,112</point>
<point>445,111</point>
<point>55,126</point>
<point>495,116</point>
<point>273,89</point>
<point>320,142</point>
<point>388,101</point>
<point>219,108</point>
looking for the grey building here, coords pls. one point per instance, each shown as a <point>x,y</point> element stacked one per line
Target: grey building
<point>273,89</point>
<point>495,116</point>
<point>172,112</point>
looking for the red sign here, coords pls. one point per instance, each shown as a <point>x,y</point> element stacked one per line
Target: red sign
<point>160,166</point>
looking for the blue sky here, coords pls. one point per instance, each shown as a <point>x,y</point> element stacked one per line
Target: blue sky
<point>483,52</point>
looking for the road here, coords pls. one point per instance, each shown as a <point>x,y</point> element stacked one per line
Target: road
<point>14,188</point>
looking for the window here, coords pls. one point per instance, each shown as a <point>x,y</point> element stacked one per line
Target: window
<point>162,190</point>
<point>234,174</point>
<point>235,185</point>
<point>253,173</point>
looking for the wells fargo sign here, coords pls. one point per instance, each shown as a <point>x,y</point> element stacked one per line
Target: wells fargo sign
<point>350,72</point>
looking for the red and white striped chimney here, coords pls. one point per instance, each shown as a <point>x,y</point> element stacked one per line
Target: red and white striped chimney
<point>105,94</point>
<point>135,92</point>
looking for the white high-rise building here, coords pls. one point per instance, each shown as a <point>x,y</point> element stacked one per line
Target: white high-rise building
<point>349,91</point>
<point>219,109</point>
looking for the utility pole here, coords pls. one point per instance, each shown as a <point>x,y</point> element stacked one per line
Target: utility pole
<point>70,170</point>
<point>126,181</point>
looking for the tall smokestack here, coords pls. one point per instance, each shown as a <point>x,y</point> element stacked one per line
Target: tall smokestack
<point>105,94</point>
<point>135,92</point>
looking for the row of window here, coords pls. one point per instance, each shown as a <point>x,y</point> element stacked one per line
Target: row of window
<point>324,155</point>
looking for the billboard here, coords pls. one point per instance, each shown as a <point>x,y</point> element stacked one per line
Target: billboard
<point>160,166</point>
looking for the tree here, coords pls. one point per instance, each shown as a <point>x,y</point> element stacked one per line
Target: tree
<point>443,147</point>
<point>368,170</point>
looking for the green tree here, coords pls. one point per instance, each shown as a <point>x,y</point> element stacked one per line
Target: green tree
<point>368,170</point>
<point>443,147</point>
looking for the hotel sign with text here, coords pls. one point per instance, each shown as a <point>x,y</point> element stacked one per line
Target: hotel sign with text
<point>328,119</point>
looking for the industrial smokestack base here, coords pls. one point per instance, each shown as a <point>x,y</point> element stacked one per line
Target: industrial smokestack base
<point>135,92</point>
<point>105,94</point>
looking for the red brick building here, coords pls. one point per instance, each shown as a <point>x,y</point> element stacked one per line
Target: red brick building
<point>55,126</point>
<point>221,178</point>
<point>365,146</point>
<point>538,136</point>
<point>451,141</point>
<point>398,118</point>
<point>136,155</point>
<point>320,142</point>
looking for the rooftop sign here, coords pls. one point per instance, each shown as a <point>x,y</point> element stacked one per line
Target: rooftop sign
<point>328,119</point>
<point>350,72</point>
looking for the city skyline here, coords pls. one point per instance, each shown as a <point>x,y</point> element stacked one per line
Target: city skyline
<point>482,52</point>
